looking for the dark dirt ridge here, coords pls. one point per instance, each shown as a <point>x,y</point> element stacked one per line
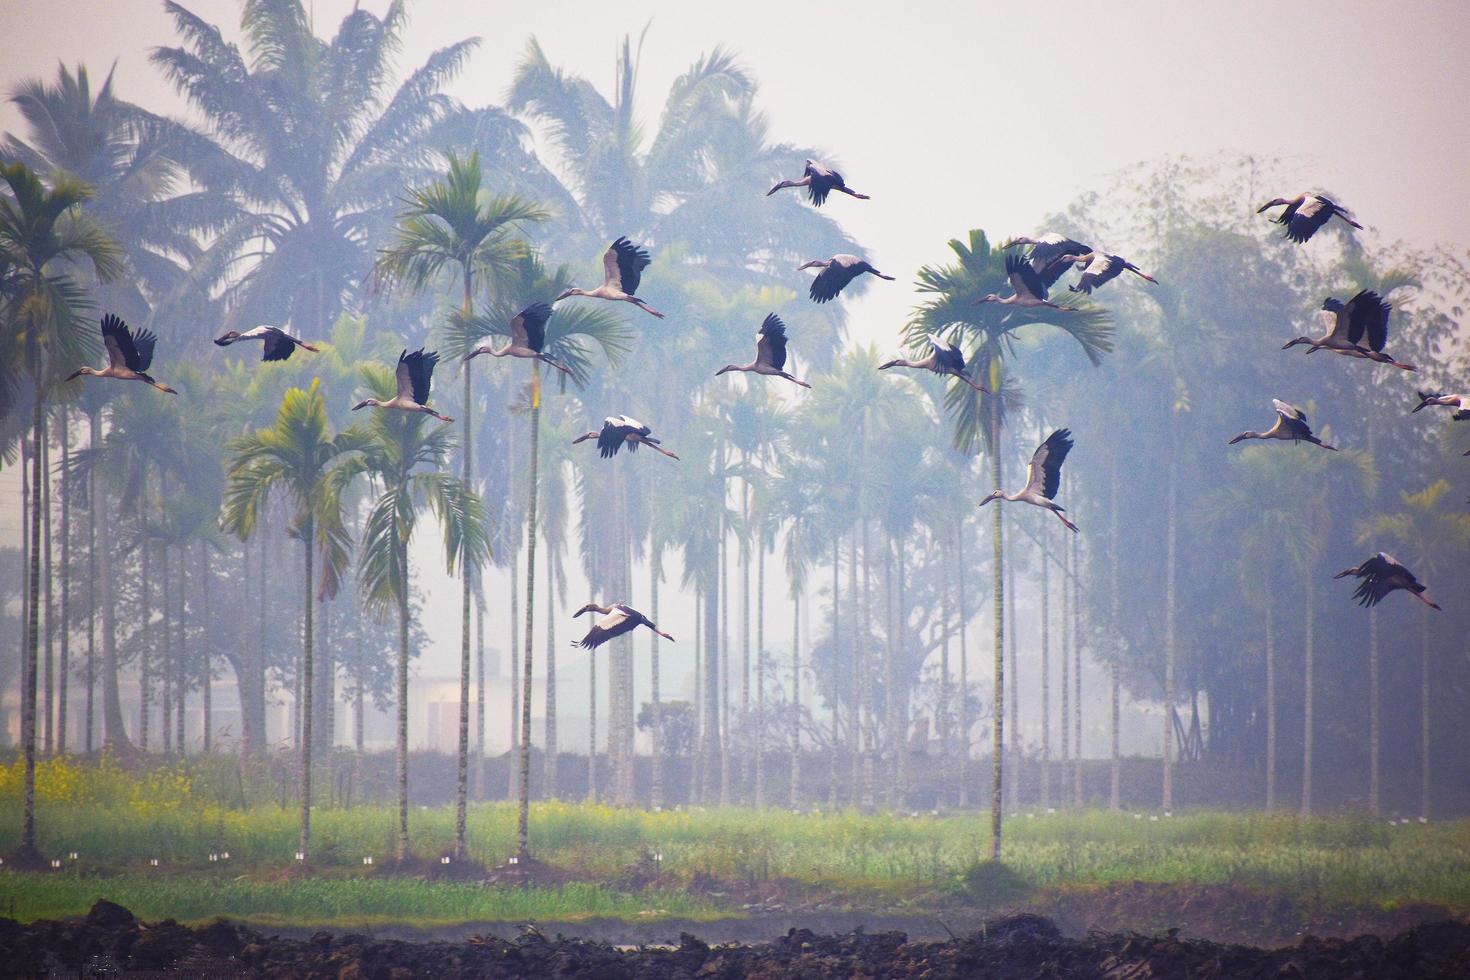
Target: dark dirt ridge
<point>110,941</point>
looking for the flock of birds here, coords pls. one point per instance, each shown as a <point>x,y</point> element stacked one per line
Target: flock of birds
<point>1359,329</point>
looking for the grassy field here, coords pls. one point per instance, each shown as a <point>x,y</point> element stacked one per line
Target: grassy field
<point>119,824</point>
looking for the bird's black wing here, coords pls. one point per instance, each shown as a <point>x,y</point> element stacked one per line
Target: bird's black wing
<point>823,180</point>
<point>1017,266</point>
<point>771,347</point>
<point>278,346</point>
<point>611,438</point>
<point>533,320</point>
<point>1367,313</point>
<point>1048,459</point>
<point>632,260</point>
<point>1102,269</point>
<point>1304,221</point>
<point>613,625</point>
<point>144,341</point>
<point>117,337</point>
<point>947,356</point>
<point>420,370</point>
<point>1053,269</point>
<point>831,281</point>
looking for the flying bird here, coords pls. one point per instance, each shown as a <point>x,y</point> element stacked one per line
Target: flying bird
<point>1045,476</point>
<point>944,359</point>
<point>1291,424</point>
<point>277,344</point>
<point>622,269</point>
<point>129,354</point>
<point>770,353</point>
<point>617,619</point>
<point>527,337</point>
<point>1365,316</point>
<point>1097,268</point>
<point>836,273</point>
<point>1030,289</point>
<point>1381,575</point>
<point>413,374</point>
<point>1305,214</point>
<point>619,429</point>
<point>1460,402</point>
<point>1046,250</point>
<point>819,180</point>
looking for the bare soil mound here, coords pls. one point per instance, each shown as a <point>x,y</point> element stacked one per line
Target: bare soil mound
<point>110,940</point>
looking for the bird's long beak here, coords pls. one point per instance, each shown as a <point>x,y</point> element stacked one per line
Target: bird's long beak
<point>986,500</point>
<point>475,353</point>
<point>226,341</point>
<point>77,374</point>
<point>886,365</point>
<point>359,405</point>
<point>808,265</point>
<point>1235,440</point>
<point>1345,573</point>
<point>1264,207</point>
<point>562,295</point>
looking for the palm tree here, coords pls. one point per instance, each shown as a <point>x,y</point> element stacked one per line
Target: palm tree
<point>43,233</point>
<point>569,336</point>
<point>315,139</point>
<point>1434,535</point>
<point>406,465</point>
<point>447,224</point>
<point>299,456</point>
<point>990,333</point>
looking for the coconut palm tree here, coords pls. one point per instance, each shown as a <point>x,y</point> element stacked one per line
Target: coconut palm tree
<point>316,138</point>
<point>1434,534</point>
<point>406,463</point>
<point>45,239</point>
<point>990,331</point>
<point>299,457</point>
<point>448,226</point>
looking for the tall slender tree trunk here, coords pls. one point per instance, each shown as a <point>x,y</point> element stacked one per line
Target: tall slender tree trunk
<point>592,727</point>
<point>549,753</point>
<point>1373,729</point>
<point>1270,700</point>
<point>1115,782</point>
<point>697,775</point>
<point>115,736</point>
<point>523,788</point>
<point>1424,781</point>
<point>50,578</point>
<point>165,626</point>
<point>943,725</point>
<point>1064,721</point>
<point>308,547</point>
<point>997,740</point>
<point>28,849</point>
<point>1077,788</point>
<point>1170,650</point>
<point>725,728</point>
<point>145,618</point>
<point>480,703</point>
<point>745,665</point>
<point>181,659</point>
<point>796,700</point>
<point>1013,736</point>
<point>892,738</point>
<point>1045,677</point>
<point>400,850</point>
<point>867,713</point>
<point>712,732</point>
<point>64,666</point>
<point>89,738</point>
<point>206,654</point>
<point>857,667</point>
<point>513,778</point>
<point>760,668</point>
<point>1309,692</point>
<point>837,672</point>
<point>466,582</point>
<point>964,727</point>
<point>655,572</point>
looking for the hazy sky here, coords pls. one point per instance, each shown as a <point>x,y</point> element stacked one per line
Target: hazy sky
<point>1015,107</point>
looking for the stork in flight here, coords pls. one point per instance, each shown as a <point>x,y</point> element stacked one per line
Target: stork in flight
<point>277,344</point>
<point>527,337</point>
<point>944,359</point>
<point>1381,575</point>
<point>1291,424</point>
<point>1363,316</point>
<point>619,429</point>
<point>622,269</point>
<point>819,180</point>
<point>1045,251</point>
<point>413,374</point>
<point>1097,268</point>
<point>1459,402</point>
<point>617,619</point>
<point>770,353</point>
<point>836,273</point>
<point>1045,476</point>
<point>1305,214</point>
<point>1030,289</point>
<point>129,354</point>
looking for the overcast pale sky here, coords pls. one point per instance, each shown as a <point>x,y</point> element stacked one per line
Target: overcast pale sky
<point>1366,99</point>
